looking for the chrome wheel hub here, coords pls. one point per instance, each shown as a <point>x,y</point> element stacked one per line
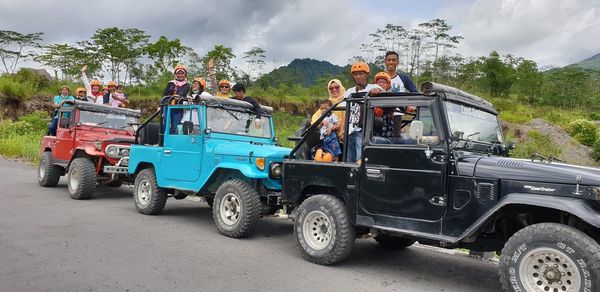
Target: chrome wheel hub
<point>547,269</point>
<point>230,208</point>
<point>317,230</point>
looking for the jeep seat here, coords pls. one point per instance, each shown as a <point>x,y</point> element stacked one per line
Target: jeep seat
<point>149,134</point>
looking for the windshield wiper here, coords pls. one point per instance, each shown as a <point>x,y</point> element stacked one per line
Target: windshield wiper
<point>228,111</point>
<point>98,124</point>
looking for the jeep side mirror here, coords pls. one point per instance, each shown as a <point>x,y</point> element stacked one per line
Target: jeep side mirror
<point>416,130</point>
<point>512,146</point>
<point>207,131</point>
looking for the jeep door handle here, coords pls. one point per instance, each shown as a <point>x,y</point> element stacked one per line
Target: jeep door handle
<point>375,174</point>
<point>167,151</point>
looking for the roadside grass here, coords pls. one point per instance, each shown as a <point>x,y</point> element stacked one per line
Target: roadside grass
<point>22,138</point>
<point>285,126</point>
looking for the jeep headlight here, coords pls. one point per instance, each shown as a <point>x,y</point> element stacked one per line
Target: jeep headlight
<point>116,151</point>
<point>112,151</point>
<point>275,170</point>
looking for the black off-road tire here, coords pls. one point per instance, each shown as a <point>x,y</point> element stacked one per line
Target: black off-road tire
<point>236,197</point>
<point>48,173</point>
<point>149,199</point>
<point>393,242</point>
<point>318,243</point>
<point>542,251</point>
<point>81,179</point>
<point>113,183</point>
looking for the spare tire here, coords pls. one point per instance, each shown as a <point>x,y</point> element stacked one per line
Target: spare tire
<point>149,134</point>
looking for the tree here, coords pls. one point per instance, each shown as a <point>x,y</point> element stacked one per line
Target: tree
<point>222,57</point>
<point>68,59</point>
<point>120,48</point>
<point>255,59</point>
<point>528,80</point>
<point>498,75</point>
<point>165,53</point>
<point>438,30</point>
<point>13,45</point>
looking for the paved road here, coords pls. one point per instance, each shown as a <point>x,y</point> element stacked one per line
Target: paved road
<point>49,242</point>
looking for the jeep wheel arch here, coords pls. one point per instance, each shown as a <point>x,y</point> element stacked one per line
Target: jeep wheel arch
<point>219,176</point>
<point>312,190</point>
<point>569,211</point>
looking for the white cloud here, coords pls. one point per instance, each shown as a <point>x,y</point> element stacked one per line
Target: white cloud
<point>551,32</point>
<point>548,31</point>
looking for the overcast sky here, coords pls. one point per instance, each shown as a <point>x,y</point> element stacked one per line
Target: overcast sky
<point>551,32</point>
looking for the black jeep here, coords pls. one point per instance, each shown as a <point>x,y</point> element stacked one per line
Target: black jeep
<point>435,169</point>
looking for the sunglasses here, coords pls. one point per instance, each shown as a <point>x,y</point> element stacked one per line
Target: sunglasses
<point>223,86</point>
<point>334,87</point>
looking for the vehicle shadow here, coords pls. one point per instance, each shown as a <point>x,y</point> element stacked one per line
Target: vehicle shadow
<point>200,213</point>
<point>425,264</point>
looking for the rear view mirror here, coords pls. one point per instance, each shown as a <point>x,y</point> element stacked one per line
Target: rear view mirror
<point>416,130</point>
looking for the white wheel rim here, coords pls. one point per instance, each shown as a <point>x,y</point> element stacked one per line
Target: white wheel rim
<point>546,269</point>
<point>317,230</point>
<point>42,170</point>
<point>73,179</point>
<point>144,192</point>
<point>230,209</point>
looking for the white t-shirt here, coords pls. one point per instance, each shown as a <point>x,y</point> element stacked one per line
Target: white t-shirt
<point>397,85</point>
<point>354,118</point>
<point>193,117</point>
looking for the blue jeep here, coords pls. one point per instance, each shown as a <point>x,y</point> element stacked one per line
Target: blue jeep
<point>216,151</point>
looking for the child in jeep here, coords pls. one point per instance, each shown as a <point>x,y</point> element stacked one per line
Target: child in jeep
<point>328,128</point>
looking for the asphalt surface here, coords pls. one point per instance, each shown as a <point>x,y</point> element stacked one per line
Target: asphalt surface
<point>49,242</point>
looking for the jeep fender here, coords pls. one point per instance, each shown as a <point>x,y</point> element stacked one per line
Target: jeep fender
<point>248,170</point>
<point>578,207</point>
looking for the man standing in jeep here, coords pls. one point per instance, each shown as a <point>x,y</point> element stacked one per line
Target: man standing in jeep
<point>400,81</point>
<point>360,74</point>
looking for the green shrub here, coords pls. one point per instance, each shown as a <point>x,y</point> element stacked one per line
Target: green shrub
<point>586,132</point>
<point>12,88</point>
<point>25,75</point>
<point>537,143</point>
<point>596,150</point>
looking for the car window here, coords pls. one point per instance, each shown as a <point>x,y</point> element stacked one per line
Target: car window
<point>66,120</point>
<point>391,125</point>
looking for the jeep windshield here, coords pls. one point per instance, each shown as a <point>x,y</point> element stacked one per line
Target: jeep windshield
<point>472,124</point>
<point>234,121</point>
<point>106,120</point>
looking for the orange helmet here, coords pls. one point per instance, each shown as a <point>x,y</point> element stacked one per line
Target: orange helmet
<point>66,87</point>
<point>224,82</point>
<point>383,75</point>
<point>201,81</point>
<point>105,87</point>
<point>360,66</point>
<point>322,155</point>
<point>111,83</point>
<point>95,82</point>
<point>179,68</point>
<point>80,89</point>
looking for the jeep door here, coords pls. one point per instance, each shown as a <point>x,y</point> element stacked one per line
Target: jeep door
<point>400,177</point>
<point>182,150</point>
<point>65,136</point>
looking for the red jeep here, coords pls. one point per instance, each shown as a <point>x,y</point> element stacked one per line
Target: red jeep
<point>88,137</point>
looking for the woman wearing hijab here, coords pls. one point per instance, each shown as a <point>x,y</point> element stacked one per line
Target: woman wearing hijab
<point>177,87</point>
<point>336,94</point>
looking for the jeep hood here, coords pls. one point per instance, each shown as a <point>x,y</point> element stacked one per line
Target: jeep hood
<point>248,149</point>
<point>106,135</point>
<point>527,170</point>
